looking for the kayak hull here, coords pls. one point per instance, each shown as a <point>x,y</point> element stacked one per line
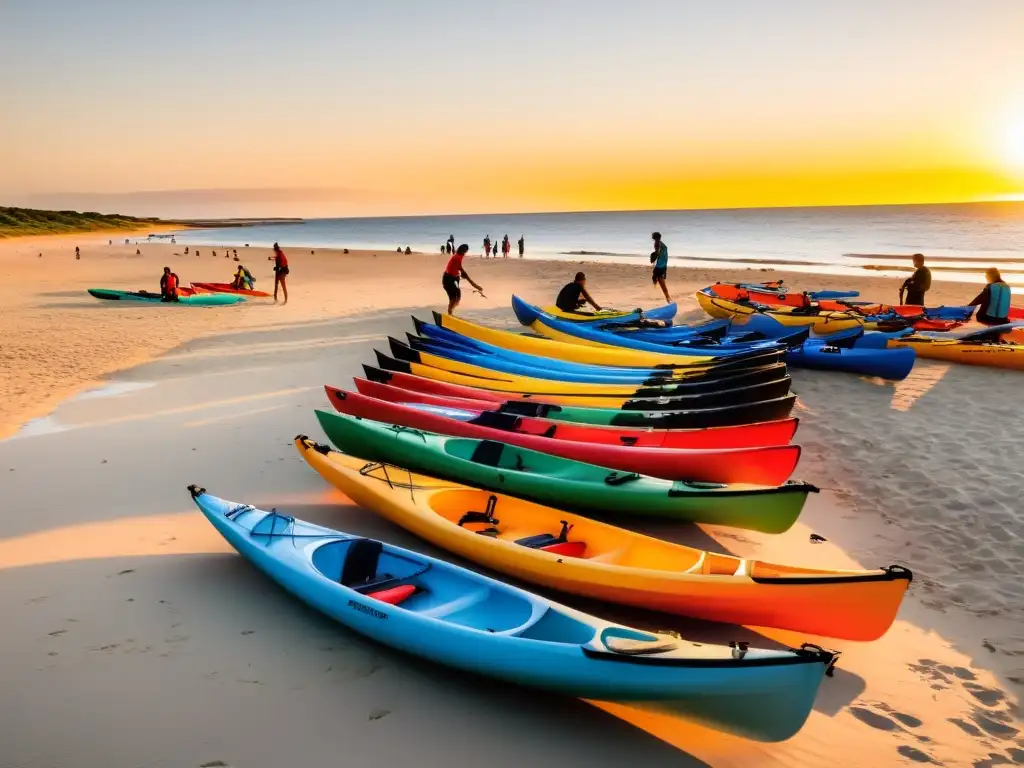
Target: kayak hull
<point>603,562</point>
<point>567,484</point>
<point>227,288</point>
<point>466,621</point>
<point>199,300</point>
<point>770,465</point>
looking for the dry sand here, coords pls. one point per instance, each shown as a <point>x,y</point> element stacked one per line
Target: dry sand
<point>133,637</point>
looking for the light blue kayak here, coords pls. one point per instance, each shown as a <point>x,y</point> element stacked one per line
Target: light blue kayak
<point>467,621</point>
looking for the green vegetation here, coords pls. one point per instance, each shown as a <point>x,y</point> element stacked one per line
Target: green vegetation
<point>28,221</point>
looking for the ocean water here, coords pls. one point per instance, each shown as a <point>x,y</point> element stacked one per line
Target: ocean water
<point>960,240</point>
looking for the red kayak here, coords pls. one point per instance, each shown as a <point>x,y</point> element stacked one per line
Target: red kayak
<point>744,436</point>
<point>228,288</point>
<point>771,465</point>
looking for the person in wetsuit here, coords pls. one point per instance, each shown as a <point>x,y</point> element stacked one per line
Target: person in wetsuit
<point>993,302</point>
<point>168,285</point>
<point>918,283</point>
<point>450,278</point>
<point>574,295</point>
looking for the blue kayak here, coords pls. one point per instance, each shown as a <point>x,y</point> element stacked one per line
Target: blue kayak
<point>527,314</point>
<point>524,313</point>
<point>446,343</point>
<point>464,620</point>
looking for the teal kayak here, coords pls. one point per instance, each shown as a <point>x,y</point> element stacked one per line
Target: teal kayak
<point>461,619</point>
<point>566,483</point>
<point>198,300</point>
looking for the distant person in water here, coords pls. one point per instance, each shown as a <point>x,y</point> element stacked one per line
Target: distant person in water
<point>280,272</point>
<point>522,246</point>
<point>574,295</point>
<point>918,283</point>
<point>659,258</point>
<point>993,302</point>
<point>450,278</point>
<point>168,285</point>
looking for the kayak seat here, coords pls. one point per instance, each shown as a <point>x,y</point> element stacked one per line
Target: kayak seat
<point>486,517</point>
<point>360,567</point>
<point>487,453</point>
<point>547,540</point>
<point>394,595</point>
<point>567,548</point>
<point>698,567</point>
<point>507,422</point>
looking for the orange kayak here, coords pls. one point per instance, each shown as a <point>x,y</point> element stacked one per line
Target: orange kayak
<point>227,288</point>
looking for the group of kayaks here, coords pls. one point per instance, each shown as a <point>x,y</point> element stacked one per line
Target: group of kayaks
<point>526,453</point>
<point>196,295</point>
<point>927,331</point>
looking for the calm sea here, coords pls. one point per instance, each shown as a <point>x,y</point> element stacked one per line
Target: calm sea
<point>960,240</point>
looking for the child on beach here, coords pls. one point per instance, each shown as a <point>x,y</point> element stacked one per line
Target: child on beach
<point>574,295</point>
<point>280,272</point>
<point>659,258</point>
<point>450,278</point>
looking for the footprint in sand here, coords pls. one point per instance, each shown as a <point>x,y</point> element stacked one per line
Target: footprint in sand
<point>995,724</point>
<point>887,720</point>
<point>990,697</point>
<point>915,754</point>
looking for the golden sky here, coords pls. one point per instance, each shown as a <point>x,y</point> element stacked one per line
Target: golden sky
<point>324,109</point>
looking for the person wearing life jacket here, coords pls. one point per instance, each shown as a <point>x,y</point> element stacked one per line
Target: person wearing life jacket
<point>243,279</point>
<point>993,302</point>
<point>168,285</point>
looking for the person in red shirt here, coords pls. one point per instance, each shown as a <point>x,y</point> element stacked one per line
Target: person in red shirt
<point>450,278</point>
<point>280,272</point>
<point>168,285</point>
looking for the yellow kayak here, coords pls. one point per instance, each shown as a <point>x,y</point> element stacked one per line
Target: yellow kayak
<point>994,354</point>
<point>575,353</point>
<point>601,561</point>
<point>823,322</point>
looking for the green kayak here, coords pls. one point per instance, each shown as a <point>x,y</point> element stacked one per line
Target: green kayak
<point>566,484</point>
<point>197,300</point>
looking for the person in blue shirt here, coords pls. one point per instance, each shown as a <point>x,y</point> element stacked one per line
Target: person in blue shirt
<point>993,302</point>
<point>659,258</point>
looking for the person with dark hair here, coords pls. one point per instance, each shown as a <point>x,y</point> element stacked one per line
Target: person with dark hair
<point>450,278</point>
<point>659,258</point>
<point>506,246</point>
<point>168,285</point>
<point>993,302</point>
<point>918,283</point>
<point>487,247</point>
<point>522,246</point>
<point>574,295</point>
<point>280,272</point>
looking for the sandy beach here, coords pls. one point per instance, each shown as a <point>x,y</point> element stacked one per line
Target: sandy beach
<point>137,637</point>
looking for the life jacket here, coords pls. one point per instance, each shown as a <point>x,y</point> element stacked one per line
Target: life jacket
<point>999,300</point>
<point>172,284</point>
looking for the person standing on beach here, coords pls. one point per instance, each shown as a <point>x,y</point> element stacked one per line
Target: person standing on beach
<point>487,246</point>
<point>280,272</point>
<point>993,302</point>
<point>522,246</point>
<point>450,278</point>
<point>506,246</point>
<point>451,243</point>
<point>659,258</point>
<point>918,283</point>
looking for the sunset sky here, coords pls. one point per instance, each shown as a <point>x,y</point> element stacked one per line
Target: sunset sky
<point>332,108</point>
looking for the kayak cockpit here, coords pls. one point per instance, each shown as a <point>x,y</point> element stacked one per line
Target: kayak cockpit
<point>376,572</point>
